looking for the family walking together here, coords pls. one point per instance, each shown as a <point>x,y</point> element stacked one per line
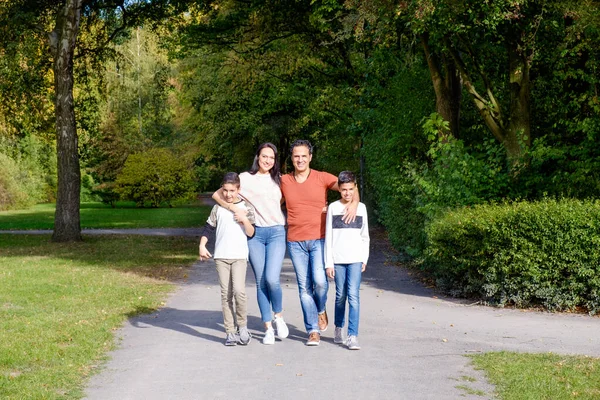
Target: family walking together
<point>249,223</point>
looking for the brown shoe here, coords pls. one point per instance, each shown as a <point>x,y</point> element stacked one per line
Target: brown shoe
<point>323,321</point>
<point>314,338</point>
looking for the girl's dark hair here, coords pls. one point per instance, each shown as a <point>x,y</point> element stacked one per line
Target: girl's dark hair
<point>231,178</point>
<point>275,173</point>
<point>346,177</point>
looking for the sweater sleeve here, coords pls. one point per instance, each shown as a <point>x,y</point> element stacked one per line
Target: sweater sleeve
<point>328,239</point>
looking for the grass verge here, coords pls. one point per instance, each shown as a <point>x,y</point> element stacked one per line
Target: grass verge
<point>541,376</point>
<point>60,304</point>
<point>98,215</point>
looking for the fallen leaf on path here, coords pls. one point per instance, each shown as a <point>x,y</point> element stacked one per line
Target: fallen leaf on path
<point>444,340</point>
<point>279,365</point>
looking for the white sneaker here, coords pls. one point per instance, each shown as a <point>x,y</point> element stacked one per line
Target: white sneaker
<point>338,338</point>
<point>269,336</point>
<point>282,328</point>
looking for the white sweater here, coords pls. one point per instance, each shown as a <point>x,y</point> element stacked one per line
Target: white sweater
<point>346,243</point>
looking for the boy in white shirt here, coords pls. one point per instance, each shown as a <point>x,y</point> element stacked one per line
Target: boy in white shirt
<point>231,255</point>
<point>346,256</point>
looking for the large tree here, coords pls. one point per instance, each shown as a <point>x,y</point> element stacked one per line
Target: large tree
<point>60,23</point>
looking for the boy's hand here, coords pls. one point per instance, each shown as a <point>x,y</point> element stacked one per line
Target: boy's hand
<point>238,213</point>
<point>204,253</point>
<point>364,266</point>
<point>350,213</point>
<point>240,217</point>
<point>331,272</point>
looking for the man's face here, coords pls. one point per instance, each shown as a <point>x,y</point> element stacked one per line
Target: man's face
<point>301,158</point>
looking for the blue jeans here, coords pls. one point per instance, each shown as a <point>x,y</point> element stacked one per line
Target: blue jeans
<point>347,285</point>
<point>266,253</point>
<point>309,263</point>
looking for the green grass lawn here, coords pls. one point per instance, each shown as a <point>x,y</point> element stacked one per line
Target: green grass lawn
<point>61,303</point>
<point>519,376</point>
<point>98,215</point>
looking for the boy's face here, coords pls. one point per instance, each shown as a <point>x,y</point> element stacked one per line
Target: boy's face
<point>301,158</point>
<point>230,192</point>
<point>347,191</point>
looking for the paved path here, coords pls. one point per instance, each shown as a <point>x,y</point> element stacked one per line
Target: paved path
<point>414,345</point>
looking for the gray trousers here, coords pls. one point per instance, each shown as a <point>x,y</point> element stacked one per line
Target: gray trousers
<point>232,278</point>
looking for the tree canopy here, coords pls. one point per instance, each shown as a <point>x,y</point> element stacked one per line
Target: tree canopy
<point>437,104</point>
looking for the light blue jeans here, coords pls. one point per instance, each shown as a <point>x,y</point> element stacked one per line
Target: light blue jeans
<point>347,286</point>
<point>309,263</point>
<point>266,253</point>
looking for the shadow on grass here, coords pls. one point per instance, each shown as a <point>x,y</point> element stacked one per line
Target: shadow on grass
<point>165,258</point>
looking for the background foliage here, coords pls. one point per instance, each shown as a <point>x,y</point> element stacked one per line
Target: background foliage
<point>437,105</point>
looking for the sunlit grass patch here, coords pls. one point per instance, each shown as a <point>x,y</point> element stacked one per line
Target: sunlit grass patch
<point>98,215</point>
<point>541,376</point>
<point>60,304</point>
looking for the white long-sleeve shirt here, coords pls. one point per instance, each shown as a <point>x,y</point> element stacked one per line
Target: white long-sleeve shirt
<point>346,243</point>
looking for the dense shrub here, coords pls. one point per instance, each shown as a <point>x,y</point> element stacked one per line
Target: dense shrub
<point>20,186</point>
<point>541,253</point>
<point>154,177</point>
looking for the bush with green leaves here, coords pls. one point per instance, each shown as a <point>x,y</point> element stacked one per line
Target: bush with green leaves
<point>20,185</point>
<point>523,253</point>
<point>154,177</point>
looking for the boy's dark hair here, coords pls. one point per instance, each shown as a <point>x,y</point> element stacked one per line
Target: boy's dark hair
<point>231,178</point>
<point>301,142</point>
<point>275,172</point>
<point>346,177</point>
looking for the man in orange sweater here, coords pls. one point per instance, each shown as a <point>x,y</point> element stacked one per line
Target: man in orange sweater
<point>305,193</point>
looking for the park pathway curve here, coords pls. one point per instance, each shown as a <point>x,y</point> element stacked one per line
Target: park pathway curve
<point>414,345</point>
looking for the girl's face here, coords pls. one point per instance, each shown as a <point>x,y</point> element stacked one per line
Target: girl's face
<point>266,160</point>
<point>230,192</point>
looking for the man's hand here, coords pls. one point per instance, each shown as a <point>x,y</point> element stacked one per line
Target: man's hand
<point>350,213</point>
<point>364,266</point>
<point>204,253</point>
<point>330,272</point>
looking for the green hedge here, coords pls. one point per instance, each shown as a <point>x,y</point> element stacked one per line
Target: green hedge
<point>155,176</point>
<point>544,253</point>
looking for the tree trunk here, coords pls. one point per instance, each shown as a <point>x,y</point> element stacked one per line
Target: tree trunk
<point>62,43</point>
<point>447,87</point>
<point>518,133</point>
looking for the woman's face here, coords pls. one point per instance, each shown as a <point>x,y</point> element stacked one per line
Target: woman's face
<point>266,160</point>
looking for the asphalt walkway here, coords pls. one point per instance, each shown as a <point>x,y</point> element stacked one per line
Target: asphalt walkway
<point>414,345</point>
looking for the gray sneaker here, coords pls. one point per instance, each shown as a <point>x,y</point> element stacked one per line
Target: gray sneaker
<point>338,338</point>
<point>245,336</point>
<point>231,340</point>
<point>352,343</point>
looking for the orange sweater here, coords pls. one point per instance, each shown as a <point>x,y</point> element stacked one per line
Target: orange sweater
<point>305,202</point>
